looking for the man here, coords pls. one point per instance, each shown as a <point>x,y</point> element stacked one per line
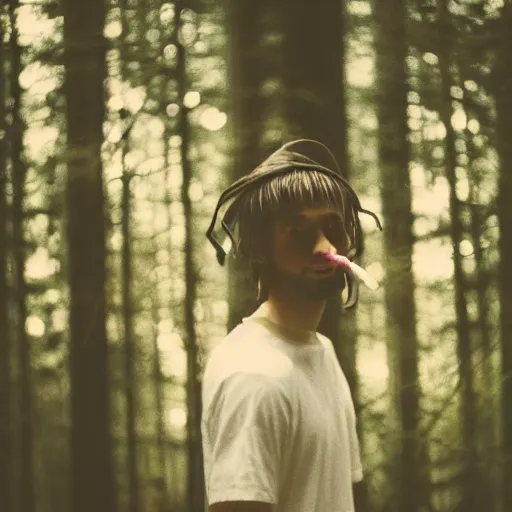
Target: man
<point>278,425</point>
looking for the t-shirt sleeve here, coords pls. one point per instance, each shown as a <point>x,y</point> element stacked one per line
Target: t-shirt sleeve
<point>247,425</point>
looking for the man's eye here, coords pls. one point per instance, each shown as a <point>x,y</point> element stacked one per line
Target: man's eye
<point>334,227</point>
<point>297,230</point>
<point>335,221</point>
<point>302,236</point>
<point>334,230</point>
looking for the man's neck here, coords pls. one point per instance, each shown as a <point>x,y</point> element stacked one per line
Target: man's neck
<point>295,313</point>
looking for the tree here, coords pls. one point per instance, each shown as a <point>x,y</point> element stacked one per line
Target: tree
<point>161,441</point>
<point>248,72</point>
<point>18,173</point>
<point>471,482</point>
<point>314,101</point>
<point>503,86</point>
<point>129,341</point>
<point>394,156</point>
<point>127,292</point>
<point>482,285</point>
<point>85,73</point>
<point>195,477</point>
<point>315,108</point>
<point>6,469</point>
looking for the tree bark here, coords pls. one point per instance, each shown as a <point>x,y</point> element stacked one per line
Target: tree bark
<point>93,486</point>
<point>6,469</point>
<point>159,380</point>
<point>503,86</point>
<point>127,278</point>
<point>394,153</point>
<point>488,408</point>
<point>18,173</point>
<point>133,479</point>
<point>314,101</point>
<point>248,70</point>
<point>481,279</point>
<point>315,108</point>
<point>161,438</point>
<point>195,475</point>
<point>471,483</point>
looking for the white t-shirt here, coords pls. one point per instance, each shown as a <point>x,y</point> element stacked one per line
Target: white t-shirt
<point>278,422</point>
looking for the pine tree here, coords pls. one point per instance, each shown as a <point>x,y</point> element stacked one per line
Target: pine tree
<point>315,107</point>
<point>471,484</point>
<point>248,71</point>
<point>314,100</point>
<point>127,290</point>
<point>18,173</point>
<point>129,341</point>
<point>93,486</point>
<point>394,155</point>
<point>195,475</point>
<point>6,469</point>
<point>503,86</point>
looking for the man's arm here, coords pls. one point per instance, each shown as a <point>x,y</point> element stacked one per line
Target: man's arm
<point>241,506</point>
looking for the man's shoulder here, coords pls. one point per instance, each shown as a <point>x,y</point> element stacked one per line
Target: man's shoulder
<point>242,339</point>
<point>326,342</point>
<point>246,353</point>
<point>246,349</point>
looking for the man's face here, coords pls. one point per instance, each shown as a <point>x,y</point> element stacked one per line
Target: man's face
<point>296,268</point>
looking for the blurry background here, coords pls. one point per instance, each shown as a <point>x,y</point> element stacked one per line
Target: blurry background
<point>121,123</point>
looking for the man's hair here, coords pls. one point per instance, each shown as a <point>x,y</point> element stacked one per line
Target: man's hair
<point>294,177</point>
<point>296,190</point>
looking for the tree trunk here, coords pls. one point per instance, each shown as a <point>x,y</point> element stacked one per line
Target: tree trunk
<point>487,406</point>
<point>133,480</point>
<point>6,469</point>
<point>314,101</point>
<point>391,46</point>
<point>195,476</point>
<point>471,483</point>
<point>127,279</point>
<point>484,374</point>
<point>503,86</point>
<point>159,382</point>
<point>486,377</point>
<point>93,486</point>
<point>27,484</point>
<point>250,106</point>
<point>161,440</point>
<point>315,107</point>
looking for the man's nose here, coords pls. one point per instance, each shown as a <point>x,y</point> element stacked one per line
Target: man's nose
<point>323,244</point>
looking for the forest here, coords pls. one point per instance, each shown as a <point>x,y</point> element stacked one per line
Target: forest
<point>122,121</point>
